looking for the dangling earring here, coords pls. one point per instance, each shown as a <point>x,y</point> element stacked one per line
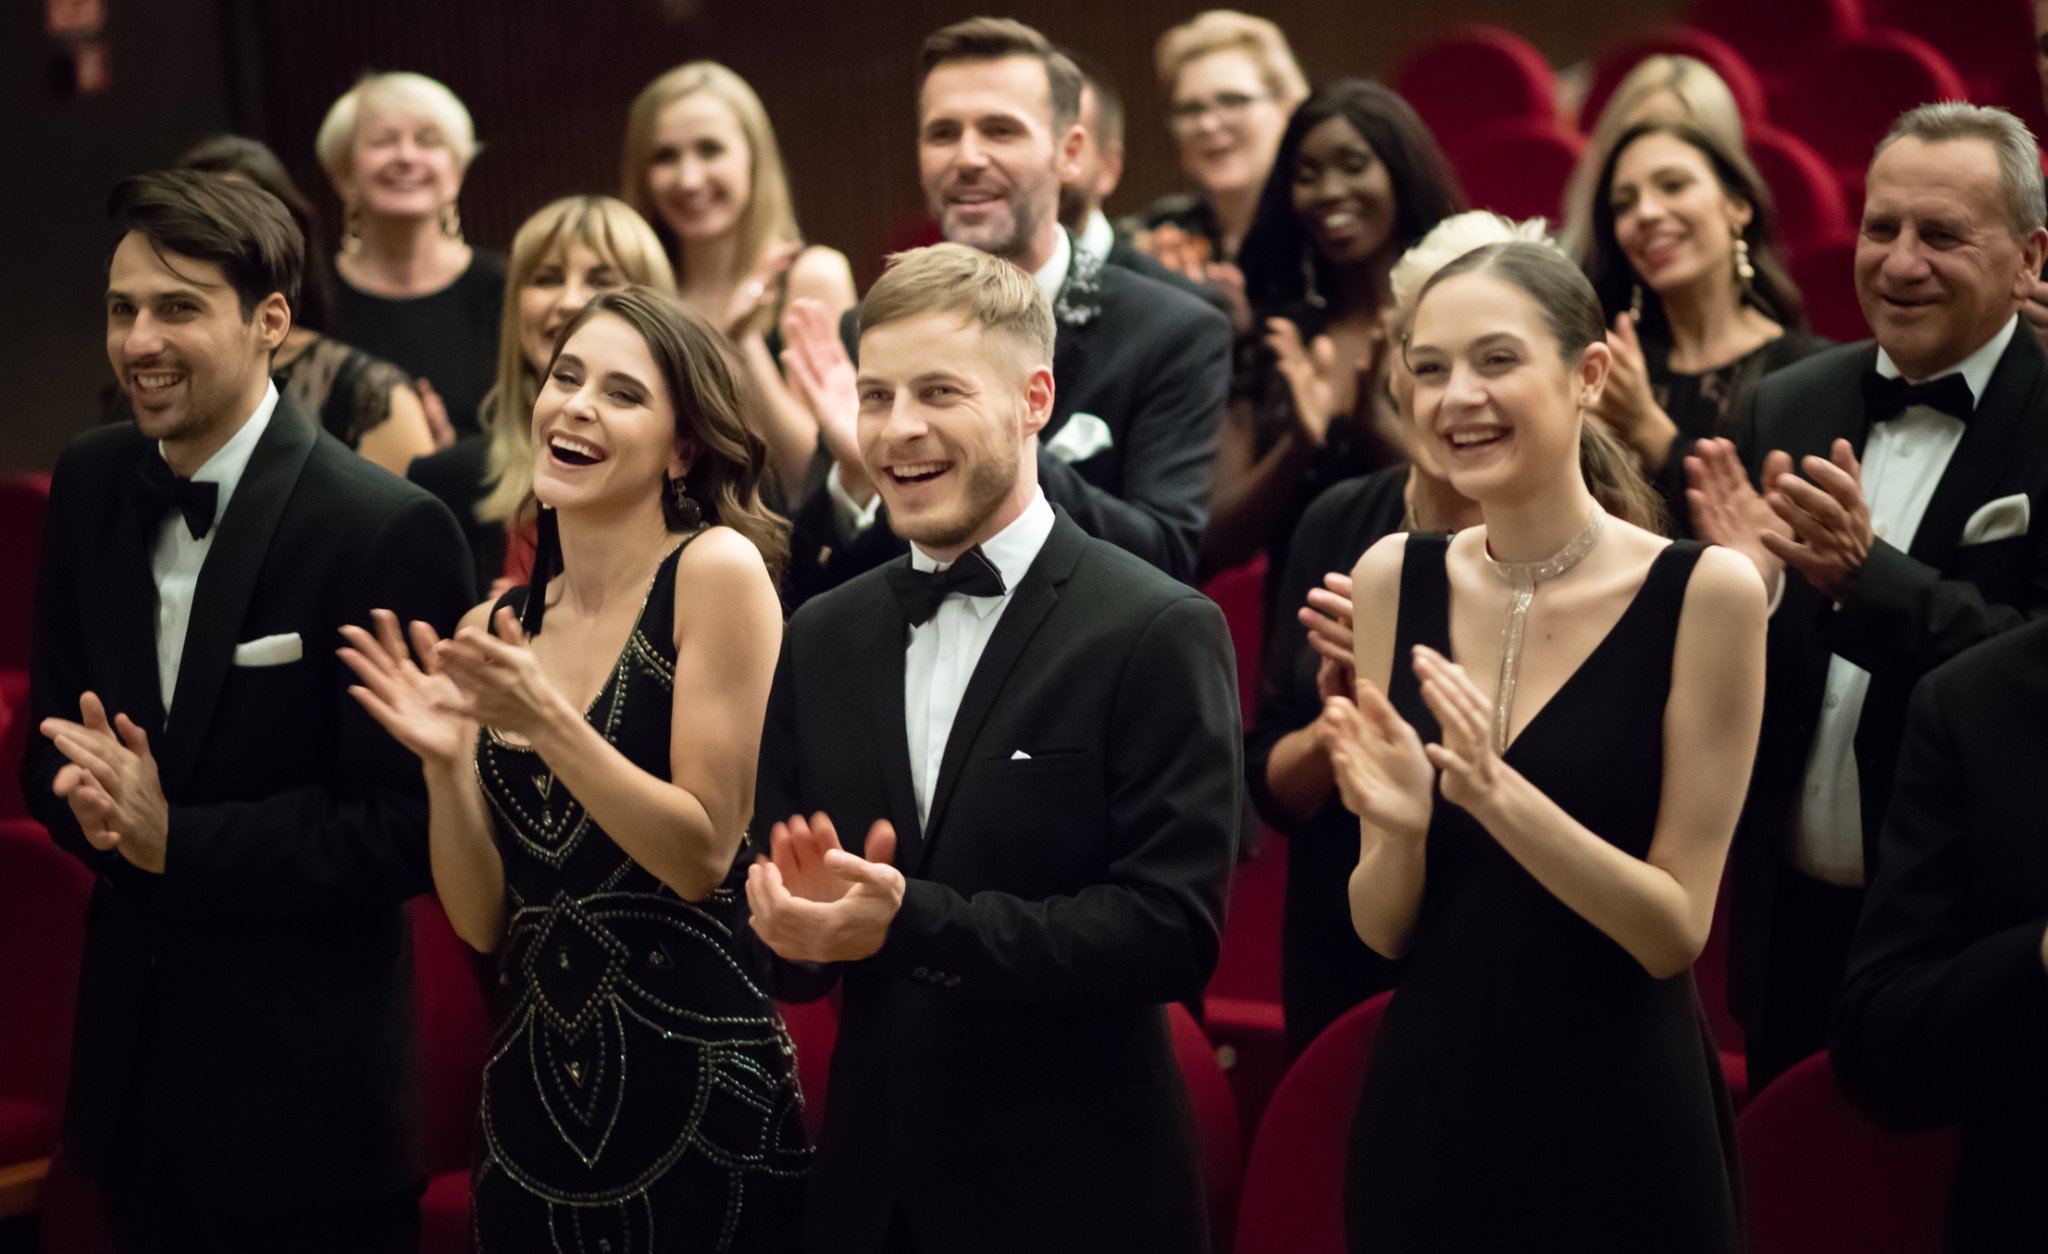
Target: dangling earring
<point>1308,281</point>
<point>687,512</point>
<point>451,221</point>
<point>1745,273</point>
<point>1635,303</point>
<point>352,228</point>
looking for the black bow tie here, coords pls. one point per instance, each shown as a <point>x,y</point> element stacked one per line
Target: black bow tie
<point>159,488</point>
<point>1888,398</point>
<point>919,592</point>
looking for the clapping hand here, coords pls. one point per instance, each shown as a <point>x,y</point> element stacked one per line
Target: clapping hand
<point>1727,511</point>
<point>1627,404</point>
<point>1472,770</point>
<point>1315,377</point>
<point>1327,616</point>
<point>1829,516</point>
<point>812,901</point>
<point>1381,769</point>
<point>111,783</point>
<point>415,702</point>
<point>754,298</point>
<point>823,377</point>
<point>501,682</point>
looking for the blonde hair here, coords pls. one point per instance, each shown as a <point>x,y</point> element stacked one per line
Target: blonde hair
<point>612,231</point>
<point>1447,241</point>
<point>1704,101</point>
<point>953,278</point>
<point>1227,30</point>
<point>395,91</point>
<point>769,217</point>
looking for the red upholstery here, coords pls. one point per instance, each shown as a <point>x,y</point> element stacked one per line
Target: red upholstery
<point>455,1036</point>
<point>1805,191</point>
<point>1242,1005</point>
<point>15,729</point>
<point>1846,100</point>
<point>1472,75</point>
<point>1710,976</point>
<point>1240,593</point>
<point>1780,36</point>
<point>1519,168</point>
<point>1293,1197</point>
<point>1825,273</point>
<point>1820,1176</point>
<point>1717,53</point>
<point>24,499</point>
<point>72,1216</point>
<point>1989,44</point>
<point>813,1027</point>
<point>42,930</point>
<point>444,1214</point>
<point>1215,1122</point>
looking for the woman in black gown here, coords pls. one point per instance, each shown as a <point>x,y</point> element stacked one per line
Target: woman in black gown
<point>590,787</point>
<point>1546,869</point>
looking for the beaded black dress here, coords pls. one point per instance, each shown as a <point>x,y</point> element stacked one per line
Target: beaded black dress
<point>640,1092</point>
<point>1532,1087</point>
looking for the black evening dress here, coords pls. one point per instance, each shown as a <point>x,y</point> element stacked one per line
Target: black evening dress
<point>640,1093</point>
<point>1532,1087</point>
<point>449,337</point>
<point>1708,404</point>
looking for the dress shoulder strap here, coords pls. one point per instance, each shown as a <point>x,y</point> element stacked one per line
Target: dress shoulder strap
<point>1422,617</point>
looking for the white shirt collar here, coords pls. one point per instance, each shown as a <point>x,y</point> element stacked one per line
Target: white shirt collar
<point>1976,369</point>
<point>228,462</point>
<point>1011,551</point>
<point>1053,274</point>
<point>1097,237</point>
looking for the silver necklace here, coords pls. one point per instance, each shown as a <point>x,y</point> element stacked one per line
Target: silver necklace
<point>1522,578</point>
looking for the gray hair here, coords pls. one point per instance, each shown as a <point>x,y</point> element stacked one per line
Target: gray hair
<point>2019,157</point>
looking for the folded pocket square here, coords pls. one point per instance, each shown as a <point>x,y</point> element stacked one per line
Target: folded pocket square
<point>2001,519</point>
<point>1020,756</point>
<point>1081,437</point>
<point>270,650</point>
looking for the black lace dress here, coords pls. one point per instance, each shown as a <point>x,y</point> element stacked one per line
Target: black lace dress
<point>640,1093</point>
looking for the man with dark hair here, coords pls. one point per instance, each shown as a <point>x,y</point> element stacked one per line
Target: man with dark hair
<point>243,1071</point>
<point>1141,369</point>
<point>1906,540</point>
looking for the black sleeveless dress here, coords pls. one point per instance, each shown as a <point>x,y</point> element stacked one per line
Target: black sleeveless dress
<point>640,1093</point>
<point>1532,1087</point>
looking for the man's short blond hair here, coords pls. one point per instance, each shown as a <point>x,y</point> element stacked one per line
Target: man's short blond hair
<point>979,286</point>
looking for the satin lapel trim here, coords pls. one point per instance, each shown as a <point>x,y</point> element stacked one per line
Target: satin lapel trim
<point>892,742</point>
<point>227,581</point>
<point>2010,403</point>
<point>130,608</point>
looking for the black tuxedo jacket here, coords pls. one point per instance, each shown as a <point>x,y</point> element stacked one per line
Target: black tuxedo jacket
<point>1153,364</point>
<point>1944,1017</point>
<point>1004,1079</point>
<point>258,994</point>
<point>1906,611</point>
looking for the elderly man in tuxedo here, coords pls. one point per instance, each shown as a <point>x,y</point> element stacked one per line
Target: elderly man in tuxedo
<point>1898,483</point>
<point>1142,367</point>
<point>1002,781</point>
<point>243,1073</point>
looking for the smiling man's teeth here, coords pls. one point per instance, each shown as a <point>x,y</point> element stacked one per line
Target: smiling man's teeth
<point>155,380</point>
<point>920,470</point>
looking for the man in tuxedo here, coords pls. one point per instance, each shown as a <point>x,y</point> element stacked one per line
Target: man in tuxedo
<point>1944,1015</point>
<point>1143,369</point>
<point>1027,741</point>
<point>243,1066</point>
<point>1924,454</point>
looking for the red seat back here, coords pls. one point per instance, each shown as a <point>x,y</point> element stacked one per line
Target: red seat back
<point>1240,593</point>
<point>1847,99</point>
<point>1805,190</point>
<point>813,1027</point>
<point>1293,1196</point>
<point>16,726</point>
<point>1818,1175</point>
<point>1989,44</point>
<point>1519,168</point>
<point>1824,271</point>
<point>455,1036</point>
<point>1215,1122</point>
<point>1472,75</point>
<point>43,891</point>
<point>1779,36</point>
<point>1716,53</point>
<point>24,499</point>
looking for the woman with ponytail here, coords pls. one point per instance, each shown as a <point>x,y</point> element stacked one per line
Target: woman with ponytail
<point>589,743</point>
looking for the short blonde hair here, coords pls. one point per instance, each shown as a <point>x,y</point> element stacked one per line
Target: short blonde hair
<point>1227,30</point>
<point>770,217</point>
<point>615,233</point>
<point>397,91</point>
<point>1704,101</point>
<point>953,278</point>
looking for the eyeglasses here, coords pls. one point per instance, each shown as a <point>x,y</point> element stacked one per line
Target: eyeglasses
<point>1228,106</point>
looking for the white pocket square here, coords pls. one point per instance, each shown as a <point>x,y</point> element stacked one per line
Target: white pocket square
<point>2002,519</point>
<point>270,650</point>
<point>1080,438</point>
<point>1020,756</point>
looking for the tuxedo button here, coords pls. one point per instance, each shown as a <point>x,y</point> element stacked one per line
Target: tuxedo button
<point>921,973</point>
<point>952,981</point>
<point>1834,699</point>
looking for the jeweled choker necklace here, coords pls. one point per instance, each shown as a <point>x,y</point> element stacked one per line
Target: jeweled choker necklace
<point>1523,577</point>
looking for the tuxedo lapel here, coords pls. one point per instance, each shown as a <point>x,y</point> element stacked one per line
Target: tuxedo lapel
<point>130,607</point>
<point>227,581</point>
<point>2011,403</point>
<point>887,644</point>
<point>1035,597</point>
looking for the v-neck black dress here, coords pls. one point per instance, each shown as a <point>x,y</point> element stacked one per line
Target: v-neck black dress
<point>1532,1087</point>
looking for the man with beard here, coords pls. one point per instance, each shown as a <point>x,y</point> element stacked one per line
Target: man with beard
<point>1141,369</point>
<point>1018,752</point>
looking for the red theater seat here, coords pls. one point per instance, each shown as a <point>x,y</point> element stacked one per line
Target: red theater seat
<point>1293,1197</point>
<point>1715,52</point>
<point>1470,76</point>
<point>1215,1122</point>
<point>15,729</point>
<point>43,891</point>
<point>1519,168</point>
<point>455,1036</point>
<point>1240,593</point>
<point>1825,273</point>
<point>1780,36</point>
<point>1804,189</point>
<point>813,1027</point>
<point>1989,44</point>
<point>1820,1176</point>
<point>24,499</point>
<point>1846,100</point>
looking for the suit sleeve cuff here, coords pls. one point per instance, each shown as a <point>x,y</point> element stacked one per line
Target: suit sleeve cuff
<point>850,516</point>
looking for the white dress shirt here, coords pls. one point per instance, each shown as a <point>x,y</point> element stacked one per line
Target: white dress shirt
<point>943,652</point>
<point>1097,237</point>
<point>177,557</point>
<point>1903,461</point>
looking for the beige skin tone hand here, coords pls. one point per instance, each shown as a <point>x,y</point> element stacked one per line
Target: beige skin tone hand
<point>1627,404</point>
<point>812,901</point>
<point>1828,516</point>
<point>111,783</point>
<point>822,376</point>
